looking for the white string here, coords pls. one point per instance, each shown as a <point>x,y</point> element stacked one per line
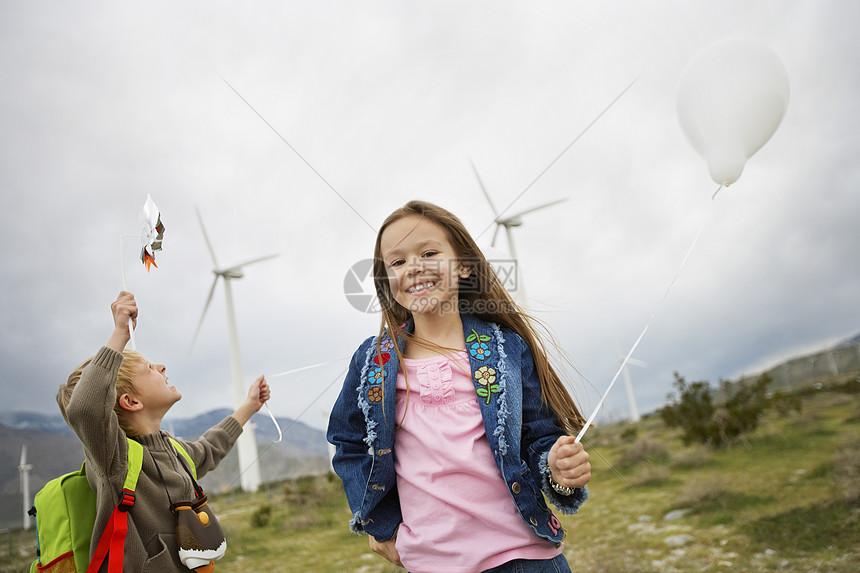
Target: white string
<point>292,423</point>
<point>279,374</point>
<point>294,370</point>
<point>285,373</point>
<point>641,334</point>
<point>277,425</point>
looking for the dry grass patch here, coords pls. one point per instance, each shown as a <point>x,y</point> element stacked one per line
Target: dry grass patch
<point>846,469</point>
<point>691,459</point>
<point>644,449</point>
<point>651,475</point>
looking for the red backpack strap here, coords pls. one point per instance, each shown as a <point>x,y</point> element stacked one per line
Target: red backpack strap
<point>112,542</point>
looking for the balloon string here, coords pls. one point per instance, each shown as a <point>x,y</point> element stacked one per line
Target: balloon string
<point>271,415</point>
<point>292,423</point>
<point>641,335</point>
<point>714,196</point>
<point>277,425</point>
<point>294,370</point>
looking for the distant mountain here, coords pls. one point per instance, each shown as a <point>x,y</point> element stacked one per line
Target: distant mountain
<point>35,421</point>
<point>849,342</point>
<point>298,437</point>
<point>54,450</point>
<point>808,369</point>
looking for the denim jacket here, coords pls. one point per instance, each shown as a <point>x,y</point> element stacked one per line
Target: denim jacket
<point>520,430</point>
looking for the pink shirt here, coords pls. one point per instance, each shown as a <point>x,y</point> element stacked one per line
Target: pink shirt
<point>458,516</point>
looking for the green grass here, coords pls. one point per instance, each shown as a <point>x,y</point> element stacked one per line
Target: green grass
<point>833,526</point>
<point>771,501</point>
<point>786,497</point>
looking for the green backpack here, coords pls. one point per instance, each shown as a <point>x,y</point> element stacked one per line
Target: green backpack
<point>65,513</point>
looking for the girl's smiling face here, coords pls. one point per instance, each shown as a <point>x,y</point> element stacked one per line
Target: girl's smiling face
<point>423,269</point>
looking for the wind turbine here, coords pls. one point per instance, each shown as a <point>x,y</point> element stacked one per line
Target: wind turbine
<point>628,384</point>
<point>508,222</point>
<point>24,469</point>
<point>247,443</point>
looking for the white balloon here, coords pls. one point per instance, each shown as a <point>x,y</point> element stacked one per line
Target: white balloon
<point>731,98</point>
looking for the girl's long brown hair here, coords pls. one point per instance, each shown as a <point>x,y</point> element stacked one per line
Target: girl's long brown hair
<point>482,295</point>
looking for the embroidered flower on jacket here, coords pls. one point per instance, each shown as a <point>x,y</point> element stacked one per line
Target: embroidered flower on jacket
<point>376,375</point>
<point>386,345</point>
<point>374,394</point>
<point>479,348</point>
<point>486,377</point>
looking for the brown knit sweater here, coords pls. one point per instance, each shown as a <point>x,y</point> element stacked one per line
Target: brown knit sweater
<point>150,544</point>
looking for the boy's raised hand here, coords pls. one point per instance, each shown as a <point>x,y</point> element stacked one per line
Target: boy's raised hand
<point>258,395</point>
<point>124,310</point>
<point>568,462</point>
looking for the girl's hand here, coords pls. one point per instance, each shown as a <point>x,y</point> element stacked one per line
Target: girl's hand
<point>568,462</point>
<point>386,549</point>
<point>124,310</point>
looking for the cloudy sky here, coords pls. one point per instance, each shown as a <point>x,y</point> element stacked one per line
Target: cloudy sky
<point>381,102</point>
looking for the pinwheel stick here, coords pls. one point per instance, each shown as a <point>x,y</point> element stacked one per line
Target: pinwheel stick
<point>125,284</point>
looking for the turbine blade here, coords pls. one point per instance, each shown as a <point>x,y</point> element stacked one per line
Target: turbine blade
<point>251,262</point>
<point>206,237</point>
<point>203,315</point>
<point>484,189</point>
<point>543,206</point>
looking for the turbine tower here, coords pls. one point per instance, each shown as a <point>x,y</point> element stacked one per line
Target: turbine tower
<point>24,469</point>
<point>628,384</point>
<point>247,443</point>
<point>508,222</point>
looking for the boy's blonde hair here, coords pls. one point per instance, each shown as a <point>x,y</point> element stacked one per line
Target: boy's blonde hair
<point>131,363</point>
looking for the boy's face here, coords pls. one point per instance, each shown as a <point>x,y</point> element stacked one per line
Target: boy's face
<point>150,387</point>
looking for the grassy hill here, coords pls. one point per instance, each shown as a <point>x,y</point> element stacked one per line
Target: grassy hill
<point>787,497</point>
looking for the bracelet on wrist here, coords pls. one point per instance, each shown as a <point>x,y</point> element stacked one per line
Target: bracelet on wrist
<point>559,489</point>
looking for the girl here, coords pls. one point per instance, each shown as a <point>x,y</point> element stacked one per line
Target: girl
<point>451,422</point>
<point>117,394</point>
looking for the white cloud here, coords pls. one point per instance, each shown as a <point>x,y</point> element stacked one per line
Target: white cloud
<point>104,103</point>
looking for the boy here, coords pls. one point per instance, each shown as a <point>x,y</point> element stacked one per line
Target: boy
<point>118,393</point>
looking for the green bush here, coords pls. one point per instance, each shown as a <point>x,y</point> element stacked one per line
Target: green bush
<point>629,432</point>
<point>693,410</point>
<point>262,516</point>
<point>785,402</point>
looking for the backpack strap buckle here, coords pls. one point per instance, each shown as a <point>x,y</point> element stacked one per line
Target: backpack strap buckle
<point>127,501</point>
